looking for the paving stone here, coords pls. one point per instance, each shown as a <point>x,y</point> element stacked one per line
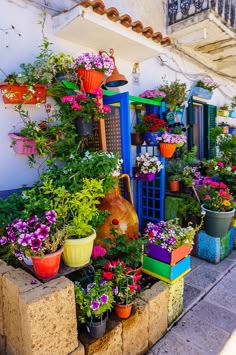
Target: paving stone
<point>216,315</point>
<point>223,297</point>
<point>232,273</point>
<point>172,344</point>
<point>191,295</point>
<point>224,266</point>
<point>229,346</point>
<point>229,283</point>
<point>196,262</point>
<point>202,334</point>
<point>202,277</point>
<point>232,255</point>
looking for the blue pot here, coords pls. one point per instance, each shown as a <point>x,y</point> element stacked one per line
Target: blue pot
<point>150,109</point>
<point>151,137</point>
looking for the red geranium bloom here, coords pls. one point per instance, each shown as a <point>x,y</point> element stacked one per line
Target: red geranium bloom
<point>115,222</point>
<point>107,275</point>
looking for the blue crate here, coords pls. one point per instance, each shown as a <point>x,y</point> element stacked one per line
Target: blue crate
<point>200,92</point>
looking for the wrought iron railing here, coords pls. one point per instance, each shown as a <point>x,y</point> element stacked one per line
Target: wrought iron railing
<point>179,10</point>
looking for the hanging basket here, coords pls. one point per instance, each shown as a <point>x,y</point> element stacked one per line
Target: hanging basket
<point>167,149</point>
<point>20,94</point>
<point>200,92</point>
<point>137,138</point>
<point>143,177</point>
<point>23,145</point>
<point>83,128</point>
<point>90,79</point>
<point>151,138</point>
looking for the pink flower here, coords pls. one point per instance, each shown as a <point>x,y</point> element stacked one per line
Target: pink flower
<point>222,185</point>
<point>98,251</point>
<point>68,98</point>
<point>76,106</point>
<point>106,108</point>
<point>207,197</point>
<point>220,164</point>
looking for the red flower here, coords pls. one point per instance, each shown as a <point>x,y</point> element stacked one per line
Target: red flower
<point>233,167</point>
<point>115,222</point>
<point>132,288</point>
<point>222,185</point>
<point>151,234</point>
<point>107,275</point>
<point>135,236</point>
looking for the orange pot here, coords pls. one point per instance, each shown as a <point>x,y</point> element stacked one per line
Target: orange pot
<point>174,186</point>
<point>123,310</point>
<point>47,267</point>
<point>20,94</point>
<point>90,79</point>
<point>167,149</point>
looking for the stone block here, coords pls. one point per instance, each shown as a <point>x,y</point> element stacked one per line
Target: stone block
<point>225,246</point>
<point>14,284</point>
<point>4,268</point>
<point>208,247</point>
<point>134,340</point>
<point>110,343</point>
<point>157,299</point>
<point>78,351</point>
<point>2,345</point>
<point>48,319</point>
<point>175,301</point>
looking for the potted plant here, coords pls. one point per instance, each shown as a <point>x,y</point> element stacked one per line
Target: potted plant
<point>91,69</point>
<point>167,241</point>
<point>146,167</point>
<point>137,137</point>
<point>204,88</point>
<point>168,143</point>
<point>83,109</point>
<point>175,93</point>
<point>38,238</point>
<point>174,182</point>
<point>219,206</point>
<point>125,286</point>
<point>94,301</point>
<point>155,126</point>
<point>223,110</point>
<point>232,112</point>
<point>155,95</point>
<point>61,66</point>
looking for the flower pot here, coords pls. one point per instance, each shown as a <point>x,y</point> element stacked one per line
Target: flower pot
<point>174,185</point>
<point>143,177</point>
<point>167,149</point>
<point>171,258</point>
<point>47,267</point>
<point>152,109</point>
<point>90,79</point>
<point>217,224</point>
<point>77,252</point>
<point>224,113</point>
<point>232,114</point>
<point>23,145</point>
<point>83,128</point>
<point>20,94</point>
<point>123,311</point>
<point>137,138</point>
<point>201,92</point>
<point>97,329</point>
<point>151,137</point>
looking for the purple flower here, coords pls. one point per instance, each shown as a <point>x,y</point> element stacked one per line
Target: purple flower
<point>12,237</point>
<point>36,244</point>
<point>103,282</point>
<point>19,254</point>
<point>104,298</point>
<point>3,240</point>
<point>115,291</point>
<point>24,239</point>
<point>30,221</point>
<point>95,305</point>
<point>51,216</point>
<point>89,286</point>
<point>42,232</point>
<point>172,241</point>
<point>34,282</point>
<point>21,226</point>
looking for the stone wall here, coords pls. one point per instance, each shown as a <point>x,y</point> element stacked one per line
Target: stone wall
<point>40,319</point>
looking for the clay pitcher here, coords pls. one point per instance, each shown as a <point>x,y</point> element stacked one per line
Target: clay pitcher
<point>121,210</point>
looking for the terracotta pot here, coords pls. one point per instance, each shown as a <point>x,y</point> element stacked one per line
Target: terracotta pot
<point>174,185</point>
<point>90,79</point>
<point>47,267</point>
<point>20,94</point>
<point>167,149</point>
<point>123,310</point>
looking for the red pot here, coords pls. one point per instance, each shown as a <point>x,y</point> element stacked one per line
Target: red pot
<point>90,79</point>
<point>123,310</point>
<point>167,149</point>
<point>47,267</point>
<point>174,185</point>
<point>20,94</point>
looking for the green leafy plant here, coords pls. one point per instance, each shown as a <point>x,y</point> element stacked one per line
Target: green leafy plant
<point>233,102</point>
<point>207,83</point>
<point>216,196</point>
<point>94,299</point>
<point>175,93</point>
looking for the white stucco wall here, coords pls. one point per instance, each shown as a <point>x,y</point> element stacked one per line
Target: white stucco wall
<point>17,49</point>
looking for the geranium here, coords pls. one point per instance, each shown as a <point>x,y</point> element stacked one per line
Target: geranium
<point>155,124</point>
<point>85,106</point>
<point>172,138</point>
<point>125,281</point>
<point>99,62</point>
<point>152,94</point>
<point>169,234</point>
<point>207,83</point>
<point>216,196</point>
<point>147,164</point>
<point>33,236</point>
<point>95,298</point>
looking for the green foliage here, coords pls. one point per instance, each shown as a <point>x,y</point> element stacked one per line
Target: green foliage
<point>10,209</point>
<point>90,298</point>
<point>140,127</point>
<point>175,92</point>
<point>187,207</point>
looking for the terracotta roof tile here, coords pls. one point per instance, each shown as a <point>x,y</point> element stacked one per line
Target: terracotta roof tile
<point>126,21</point>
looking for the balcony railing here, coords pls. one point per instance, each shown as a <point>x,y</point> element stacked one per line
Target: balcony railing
<point>179,10</point>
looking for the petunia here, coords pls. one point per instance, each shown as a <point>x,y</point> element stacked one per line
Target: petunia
<point>24,239</point>
<point>95,305</point>
<point>104,298</point>
<point>3,240</point>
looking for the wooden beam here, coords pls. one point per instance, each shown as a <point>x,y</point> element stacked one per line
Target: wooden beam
<point>213,45</point>
<point>221,49</point>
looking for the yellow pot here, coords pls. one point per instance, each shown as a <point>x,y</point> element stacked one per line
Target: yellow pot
<point>77,252</point>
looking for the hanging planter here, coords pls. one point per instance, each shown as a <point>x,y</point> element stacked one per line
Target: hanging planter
<point>90,79</point>
<point>151,138</point>
<point>21,94</point>
<point>167,149</point>
<point>200,92</point>
<point>143,177</point>
<point>152,109</point>
<point>137,138</point>
<point>83,128</point>
<point>48,266</point>
<point>23,145</point>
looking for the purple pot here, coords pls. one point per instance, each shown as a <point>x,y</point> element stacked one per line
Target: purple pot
<point>156,252</point>
<point>144,177</point>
